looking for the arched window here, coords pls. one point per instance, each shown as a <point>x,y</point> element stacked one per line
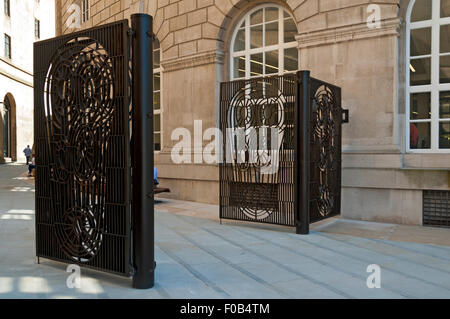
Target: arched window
<point>6,116</point>
<point>428,76</point>
<point>157,121</point>
<point>264,43</point>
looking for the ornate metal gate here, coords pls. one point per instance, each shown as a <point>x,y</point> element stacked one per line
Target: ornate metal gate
<point>281,155</point>
<point>325,134</point>
<point>84,169</point>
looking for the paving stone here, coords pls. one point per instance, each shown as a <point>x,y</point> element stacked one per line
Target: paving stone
<point>199,258</point>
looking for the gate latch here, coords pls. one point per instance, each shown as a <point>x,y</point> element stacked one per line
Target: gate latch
<point>345,116</point>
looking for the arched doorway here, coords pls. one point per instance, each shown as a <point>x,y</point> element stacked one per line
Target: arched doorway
<point>8,127</point>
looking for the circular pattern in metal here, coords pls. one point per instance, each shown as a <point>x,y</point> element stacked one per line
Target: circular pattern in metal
<point>324,110</point>
<point>80,233</point>
<point>79,95</point>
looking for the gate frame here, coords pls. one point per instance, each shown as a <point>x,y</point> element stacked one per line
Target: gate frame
<point>302,149</point>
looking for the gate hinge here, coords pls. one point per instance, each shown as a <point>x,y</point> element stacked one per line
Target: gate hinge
<point>345,116</point>
<point>132,270</point>
<point>131,32</point>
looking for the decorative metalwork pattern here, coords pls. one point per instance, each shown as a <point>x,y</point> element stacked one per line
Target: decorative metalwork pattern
<point>82,148</point>
<point>79,92</point>
<point>257,170</point>
<point>248,189</point>
<point>256,201</point>
<point>326,117</point>
<point>255,110</point>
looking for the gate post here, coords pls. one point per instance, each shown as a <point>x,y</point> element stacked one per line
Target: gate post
<point>303,120</point>
<point>142,100</point>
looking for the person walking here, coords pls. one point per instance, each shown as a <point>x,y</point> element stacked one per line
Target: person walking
<point>27,152</point>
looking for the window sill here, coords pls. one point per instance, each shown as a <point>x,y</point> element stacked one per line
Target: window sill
<point>427,160</point>
<point>405,161</point>
<point>428,151</point>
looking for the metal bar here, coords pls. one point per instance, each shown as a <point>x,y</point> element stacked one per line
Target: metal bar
<point>297,163</point>
<point>302,226</point>
<point>36,125</point>
<point>143,210</point>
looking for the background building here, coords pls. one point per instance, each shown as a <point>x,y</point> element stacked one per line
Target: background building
<point>21,23</point>
<point>395,79</point>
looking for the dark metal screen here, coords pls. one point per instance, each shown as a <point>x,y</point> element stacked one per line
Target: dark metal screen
<point>250,190</point>
<point>265,186</point>
<point>436,208</point>
<point>325,150</point>
<point>81,121</point>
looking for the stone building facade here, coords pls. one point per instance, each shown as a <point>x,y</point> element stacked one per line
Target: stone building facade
<point>364,46</point>
<point>21,24</point>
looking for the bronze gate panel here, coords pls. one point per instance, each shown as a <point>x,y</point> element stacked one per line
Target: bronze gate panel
<point>256,190</point>
<point>81,120</point>
<point>293,176</point>
<point>325,150</point>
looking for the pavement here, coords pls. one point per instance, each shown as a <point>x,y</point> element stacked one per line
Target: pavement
<point>197,257</point>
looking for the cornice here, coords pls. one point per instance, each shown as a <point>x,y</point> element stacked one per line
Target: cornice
<point>212,57</point>
<point>15,78</point>
<point>8,62</point>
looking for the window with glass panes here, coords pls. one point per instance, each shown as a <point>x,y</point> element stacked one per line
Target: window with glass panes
<point>264,43</point>
<point>428,76</point>
<point>157,114</point>
<point>85,10</point>
<point>37,28</point>
<point>7,46</point>
<point>7,7</point>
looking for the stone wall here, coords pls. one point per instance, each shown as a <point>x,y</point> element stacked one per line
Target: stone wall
<point>336,44</point>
